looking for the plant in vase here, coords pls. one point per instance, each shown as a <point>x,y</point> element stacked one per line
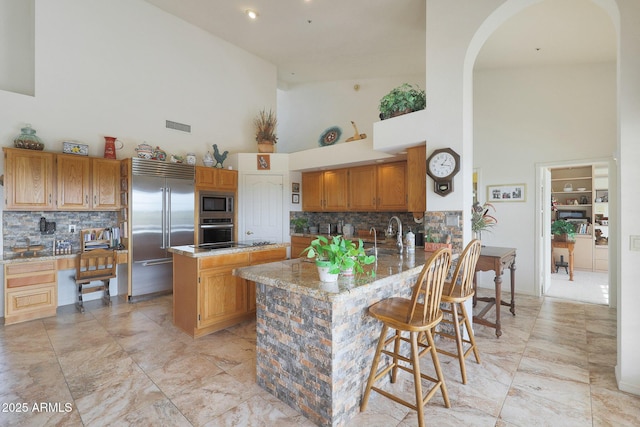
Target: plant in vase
<point>481,220</point>
<point>265,124</point>
<point>339,255</point>
<point>298,224</point>
<point>432,243</point>
<point>563,230</point>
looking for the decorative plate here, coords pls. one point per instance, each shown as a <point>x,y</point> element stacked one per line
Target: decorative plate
<point>330,136</point>
<point>72,147</point>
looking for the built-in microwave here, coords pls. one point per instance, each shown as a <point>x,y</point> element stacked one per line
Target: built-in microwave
<point>215,203</point>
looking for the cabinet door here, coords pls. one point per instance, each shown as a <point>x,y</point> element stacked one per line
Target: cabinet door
<point>221,295</point>
<point>205,178</point>
<point>227,179</point>
<point>417,179</point>
<point>335,190</point>
<point>583,253</point>
<point>106,184</point>
<point>73,182</point>
<point>362,189</point>
<point>29,182</point>
<point>312,184</point>
<point>392,187</point>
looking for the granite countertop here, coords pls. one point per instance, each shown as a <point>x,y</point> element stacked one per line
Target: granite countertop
<point>45,255</point>
<point>194,252</point>
<point>301,275</point>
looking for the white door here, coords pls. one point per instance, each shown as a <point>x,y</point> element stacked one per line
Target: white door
<point>262,208</point>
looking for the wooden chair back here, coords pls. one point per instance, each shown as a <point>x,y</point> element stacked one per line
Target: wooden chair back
<point>98,264</point>
<point>427,292</point>
<point>466,268</point>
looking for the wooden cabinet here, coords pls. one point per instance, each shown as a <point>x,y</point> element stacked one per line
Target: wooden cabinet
<point>36,180</point>
<point>392,187</point>
<point>73,182</point>
<point>583,253</point>
<point>31,291</point>
<point>362,188</point>
<point>600,258</point>
<point>216,179</point>
<point>207,297</point>
<point>359,189</point>
<point>312,191</point>
<point>417,180</point>
<point>299,244</point>
<point>29,180</point>
<point>325,191</point>
<point>105,184</point>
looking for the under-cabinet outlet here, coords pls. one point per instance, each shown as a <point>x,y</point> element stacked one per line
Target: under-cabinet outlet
<point>72,228</point>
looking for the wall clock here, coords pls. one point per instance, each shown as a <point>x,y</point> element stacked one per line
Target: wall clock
<point>442,165</point>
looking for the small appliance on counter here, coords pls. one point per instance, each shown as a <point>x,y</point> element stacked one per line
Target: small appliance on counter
<point>326,228</point>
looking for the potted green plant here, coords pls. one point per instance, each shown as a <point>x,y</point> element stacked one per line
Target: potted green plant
<point>265,124</point>
<point>298,224</point>
<point>481,220</point>
<point>563,230</point>
<point>432,243</point>
<point>401,100</point>
<point>339,255</point>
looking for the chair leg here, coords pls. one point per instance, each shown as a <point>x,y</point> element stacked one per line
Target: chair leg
<point>79,304</point>
<point>107,294</point>
<point>472,339</point>
<point>458,333</point>
<point>417,378</point>
<point>436,365</point>
<point>374,368</point>
<point>396,350</point>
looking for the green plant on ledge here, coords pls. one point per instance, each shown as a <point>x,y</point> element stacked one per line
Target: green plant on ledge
<point>560,227</point>
<point>401,100</point>
<point>341,254</point>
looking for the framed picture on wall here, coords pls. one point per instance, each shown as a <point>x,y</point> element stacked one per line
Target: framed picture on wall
<point>295,198</point>
<point>295,187</point>
<point>507,193</point>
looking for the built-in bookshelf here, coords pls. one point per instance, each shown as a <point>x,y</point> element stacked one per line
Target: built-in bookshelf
<point>99,238</point>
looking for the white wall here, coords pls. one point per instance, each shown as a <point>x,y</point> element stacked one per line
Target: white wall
<point>305,111</point>
<point>523,116</point>
<point>17,46</point>
<point>122,68</point>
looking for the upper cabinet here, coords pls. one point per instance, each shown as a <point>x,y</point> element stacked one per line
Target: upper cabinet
<point>29,180</point>
<point>359,189</point>
<point>392,187</point>
<point>106,184</point>
<point>37,180</point>
<point>325,191</point>
<point>216,179</point>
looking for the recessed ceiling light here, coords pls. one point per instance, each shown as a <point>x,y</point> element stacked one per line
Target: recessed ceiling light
<point>251,13</point>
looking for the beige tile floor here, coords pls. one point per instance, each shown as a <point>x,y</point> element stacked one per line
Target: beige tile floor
<point>128,365</point>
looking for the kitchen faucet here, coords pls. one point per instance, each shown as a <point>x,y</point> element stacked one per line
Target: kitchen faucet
<point>390,230</point>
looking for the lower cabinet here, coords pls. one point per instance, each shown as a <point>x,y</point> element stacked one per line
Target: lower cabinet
<point>299,244</point>
<point>207,297</point>
<point>31,291</point>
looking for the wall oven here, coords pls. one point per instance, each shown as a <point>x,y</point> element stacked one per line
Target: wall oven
<point>215,230</point>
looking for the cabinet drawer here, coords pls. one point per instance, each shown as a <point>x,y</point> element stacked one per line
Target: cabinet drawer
<point>30,267</point>
<point>224,260</point>
<point>262,257</point>
<point>30,303</point>
<point>39,278</point>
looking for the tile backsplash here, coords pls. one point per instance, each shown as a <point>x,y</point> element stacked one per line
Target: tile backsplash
<point>17,227</point>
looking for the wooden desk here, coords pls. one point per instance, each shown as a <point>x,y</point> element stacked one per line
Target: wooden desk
<point>496,259</point>
<point>563,245</point>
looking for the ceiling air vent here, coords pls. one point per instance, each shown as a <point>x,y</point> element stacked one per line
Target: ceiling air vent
<point>178,126</point>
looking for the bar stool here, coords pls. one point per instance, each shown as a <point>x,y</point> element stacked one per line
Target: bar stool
<point>454,295</point>
<point>418,315</point>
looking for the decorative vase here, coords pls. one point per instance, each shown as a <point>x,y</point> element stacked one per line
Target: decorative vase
<point>208,160</point>
<point>28,139</point>
<point>323,272</point>
<point>266,147</point>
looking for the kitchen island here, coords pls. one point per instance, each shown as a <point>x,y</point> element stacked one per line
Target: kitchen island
<point>315,341</point>
<point>206,295</point>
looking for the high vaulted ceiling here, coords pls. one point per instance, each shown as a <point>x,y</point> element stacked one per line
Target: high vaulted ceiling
<point>316,40</point>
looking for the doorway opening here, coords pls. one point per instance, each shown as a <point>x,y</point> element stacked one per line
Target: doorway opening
<point>579,195</point>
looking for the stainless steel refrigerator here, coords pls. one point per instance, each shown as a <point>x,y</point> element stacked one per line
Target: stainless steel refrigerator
<point>162,215</point>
